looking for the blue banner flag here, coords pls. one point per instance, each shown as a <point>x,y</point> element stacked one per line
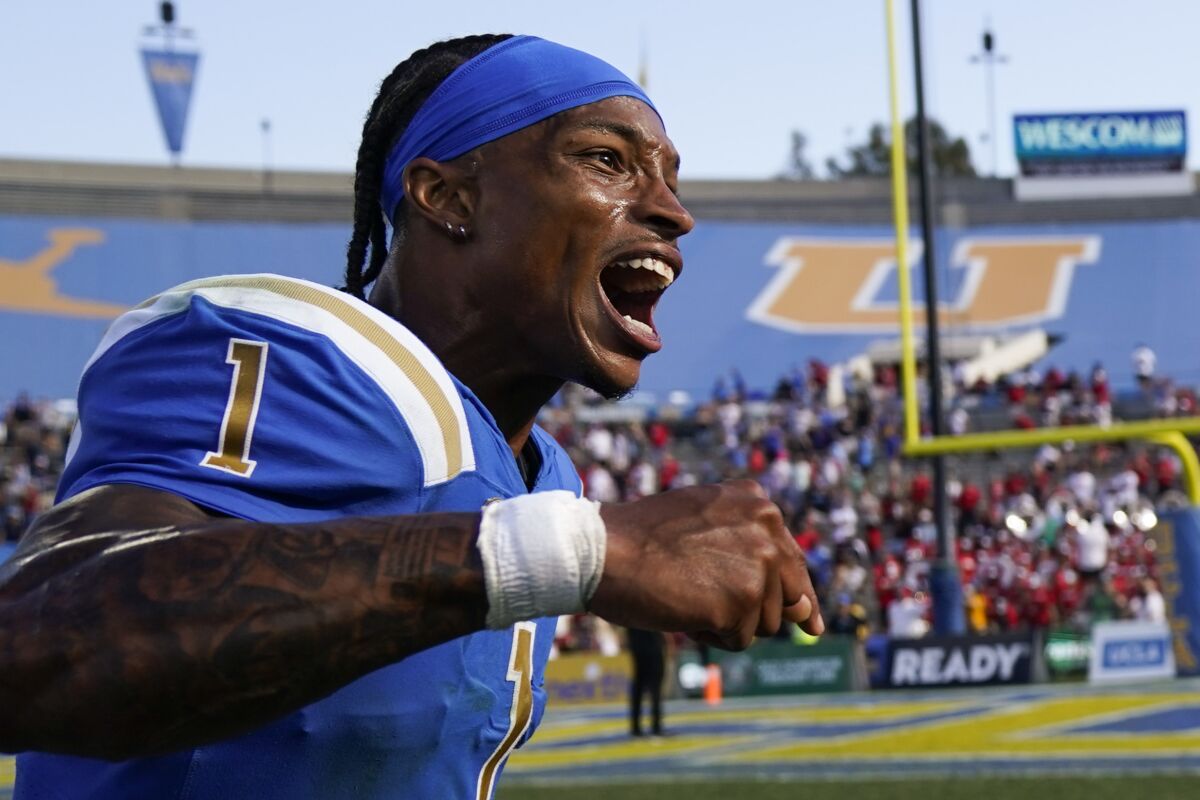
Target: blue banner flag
<point>1178,554</point>
<point>171,77</point>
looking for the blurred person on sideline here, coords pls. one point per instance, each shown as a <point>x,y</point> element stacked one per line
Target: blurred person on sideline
<point>648,650</point>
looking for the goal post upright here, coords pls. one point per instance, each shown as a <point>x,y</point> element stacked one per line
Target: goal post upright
<point>949,618</point>
<point>1172,433</point>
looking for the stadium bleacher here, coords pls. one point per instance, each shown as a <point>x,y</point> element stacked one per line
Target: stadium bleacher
<point>1120,275</point>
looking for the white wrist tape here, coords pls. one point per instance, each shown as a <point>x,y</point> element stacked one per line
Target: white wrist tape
<point>543,555</point>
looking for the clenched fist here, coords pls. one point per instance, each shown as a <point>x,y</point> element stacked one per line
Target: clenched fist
<point>715,561</point>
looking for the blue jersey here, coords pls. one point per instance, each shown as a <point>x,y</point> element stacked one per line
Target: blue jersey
<point>278,400</point>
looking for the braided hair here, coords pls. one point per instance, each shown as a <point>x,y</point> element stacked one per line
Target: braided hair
<point>400,96</point>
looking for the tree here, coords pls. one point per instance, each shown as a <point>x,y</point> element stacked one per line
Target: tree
<point>949,156</point>
<point>799,168</point>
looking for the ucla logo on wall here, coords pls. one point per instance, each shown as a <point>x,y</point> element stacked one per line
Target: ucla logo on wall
<point>30,286</point>
<point>834,285</point>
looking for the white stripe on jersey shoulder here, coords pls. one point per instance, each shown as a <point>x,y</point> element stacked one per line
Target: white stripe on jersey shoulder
<point>400,363</point>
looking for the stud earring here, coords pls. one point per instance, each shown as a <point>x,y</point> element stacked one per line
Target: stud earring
<point>457,231</point>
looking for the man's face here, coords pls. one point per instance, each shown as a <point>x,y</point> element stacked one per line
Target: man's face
<point>581,223</point>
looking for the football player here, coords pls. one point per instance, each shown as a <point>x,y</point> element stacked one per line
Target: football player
<point>310,542</point>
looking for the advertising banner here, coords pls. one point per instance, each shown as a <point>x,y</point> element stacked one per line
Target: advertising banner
<point>1177,537</point>
<point>1101,142</point>
<point>778,667</point>
<point>1129,650</point>
<point>825,291</point>
<point>588,679</point>
<point>960,661</point>
<point>171,76</point>
<point>1101,154</point>
<point>1067,653</point>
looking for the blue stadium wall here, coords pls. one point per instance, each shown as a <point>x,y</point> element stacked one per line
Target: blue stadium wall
<point>756,297</point>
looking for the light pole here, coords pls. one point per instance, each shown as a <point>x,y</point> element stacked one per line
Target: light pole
<point>166,27</point>
<point>990,58</point>
<point>264,126</point>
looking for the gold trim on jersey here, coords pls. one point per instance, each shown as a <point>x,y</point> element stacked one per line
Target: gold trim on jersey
<point>520,673</point>
<point>344,309</point>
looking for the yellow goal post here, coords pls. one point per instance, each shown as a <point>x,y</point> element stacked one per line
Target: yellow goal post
<point>1167,432</point>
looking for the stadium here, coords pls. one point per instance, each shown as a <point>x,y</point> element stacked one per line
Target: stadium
<point>1069,378</point>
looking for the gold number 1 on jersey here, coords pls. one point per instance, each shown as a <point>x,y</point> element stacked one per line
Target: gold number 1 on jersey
<point>520,675</point>
<point>249,360</point>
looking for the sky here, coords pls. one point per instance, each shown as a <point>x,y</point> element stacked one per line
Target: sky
<point>732,79</point>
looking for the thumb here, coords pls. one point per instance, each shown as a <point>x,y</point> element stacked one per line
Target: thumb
<point>801,612</point>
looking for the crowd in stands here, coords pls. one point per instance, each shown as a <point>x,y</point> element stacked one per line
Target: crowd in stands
<point>1053,538</point>
<point>1057,537</point>
<point>33,443</point>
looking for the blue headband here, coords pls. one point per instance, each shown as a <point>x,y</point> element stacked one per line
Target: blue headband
<point>509,86</point>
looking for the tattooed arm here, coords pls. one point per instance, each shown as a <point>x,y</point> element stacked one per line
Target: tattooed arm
<point>133,623</point>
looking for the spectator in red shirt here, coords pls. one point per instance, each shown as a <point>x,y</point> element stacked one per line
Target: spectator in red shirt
<point>757,462</point>
<point>1165,472</point>
<point>1014,484</point>
<point>1052,381</point>
<point>808,538</point>
<point>1100,390</point>
<point>1039,603</point>
<point>818,373</point>
<point>874,539</point>
<point>968,502</point>
<point>1016,391</point>
<point>888,574</point>
<point>920,489</point>
<point>668,472</point>
<point>1141,467</point>
<point>967,565</point>
<point>658,434</point>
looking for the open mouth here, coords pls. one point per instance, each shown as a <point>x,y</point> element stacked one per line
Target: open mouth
<point>632,287</point>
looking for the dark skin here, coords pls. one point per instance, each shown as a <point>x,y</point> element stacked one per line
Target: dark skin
<point>137,623</point>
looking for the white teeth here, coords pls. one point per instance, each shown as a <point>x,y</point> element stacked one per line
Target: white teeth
<point>660,268</point>
<point>641,326</point>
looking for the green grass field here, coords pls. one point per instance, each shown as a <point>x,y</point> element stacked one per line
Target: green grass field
<point>1156,787</point>
<point>1058,742</point>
